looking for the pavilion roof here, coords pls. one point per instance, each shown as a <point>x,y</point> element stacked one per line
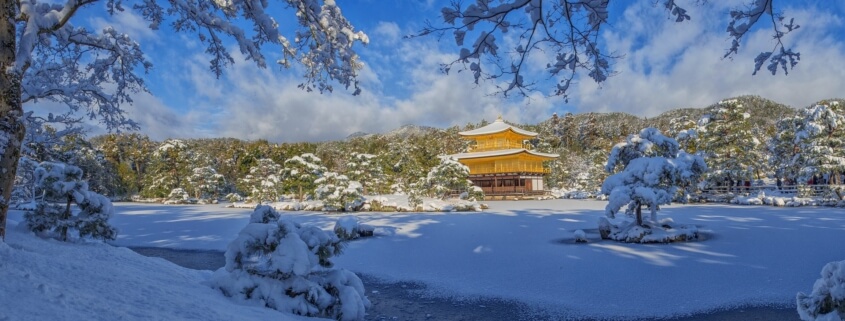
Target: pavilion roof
<point>501,152</point>
<point>497,126</point>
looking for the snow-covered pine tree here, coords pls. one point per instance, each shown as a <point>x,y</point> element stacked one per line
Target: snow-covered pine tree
<point>450,176</point>
<point>206,183</point>
<point>285,266</point>
<point>827,300</point>
<point>650,170</point>
<point>300,173</point>
<point>821,143</point>
<point>366,169</point>
<point>24,193</point>
<point>685,132</point>
<point>338,193</point>
<point>168,169</point>
<point>264,181</point>
<point>60,185</point>
<point>783,147</point>
<point>733,154</point>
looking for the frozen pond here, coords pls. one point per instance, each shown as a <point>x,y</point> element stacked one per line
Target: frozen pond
<point>522,252</point>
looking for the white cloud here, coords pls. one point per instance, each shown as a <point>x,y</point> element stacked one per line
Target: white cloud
<point>666,66</point>
<point>127,22</point>
<point>670,66</point>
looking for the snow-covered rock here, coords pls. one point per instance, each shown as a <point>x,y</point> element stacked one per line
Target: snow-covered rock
<point>347,228</point>
<point>580,236</point>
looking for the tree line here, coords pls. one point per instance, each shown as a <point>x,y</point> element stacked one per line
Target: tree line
<point>743,139</point>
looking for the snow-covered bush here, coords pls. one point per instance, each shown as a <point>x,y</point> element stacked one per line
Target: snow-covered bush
<point>339,193</point>
<point>177,196</point>
<point>60,185</point>
<point>233,197</point>
<point>284,266</point>
<point>827,301</point>
<point>653,171</point>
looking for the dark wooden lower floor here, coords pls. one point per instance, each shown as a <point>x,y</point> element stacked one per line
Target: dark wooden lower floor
<point>509,184</point>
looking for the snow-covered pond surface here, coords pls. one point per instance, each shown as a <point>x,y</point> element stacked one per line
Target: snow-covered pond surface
<point>524,251</point>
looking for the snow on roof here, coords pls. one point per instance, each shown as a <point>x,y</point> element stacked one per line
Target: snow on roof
<point>501,152</point>
<point>497,126</point>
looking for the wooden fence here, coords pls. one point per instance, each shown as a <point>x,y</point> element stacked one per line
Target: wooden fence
<point>785,190</point>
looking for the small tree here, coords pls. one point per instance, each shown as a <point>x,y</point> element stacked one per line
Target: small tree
<point>365,169</point>
<point>449,176</point>
<point>338,193</point>
<point>650,171</point>
<point>205,182</point>
<point>63,184</point>
<point>264,181</point>
<point>285,266</point>
<point>300,174</point>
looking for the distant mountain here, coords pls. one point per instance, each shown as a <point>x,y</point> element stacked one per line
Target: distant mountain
<point>358,134</point>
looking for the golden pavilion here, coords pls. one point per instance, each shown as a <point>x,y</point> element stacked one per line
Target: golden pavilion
<point>501,162</point>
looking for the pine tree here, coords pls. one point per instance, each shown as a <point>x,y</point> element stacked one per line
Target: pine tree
<point>338,192</point>
<point>821,142</point>
<point>279,264</point>
<point>450,176</point>
<point>732,152</point>
<point>300,173</point>
<point>650,170</point>
<point>365,169</point>
<point>264,181</point>
<point>168,169</point>
<point>60,185</point>
<point>206,183</point>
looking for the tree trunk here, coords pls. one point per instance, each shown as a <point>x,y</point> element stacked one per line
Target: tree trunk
<point>65,217</point>
<point>11,126</point>
<point>639,214</point>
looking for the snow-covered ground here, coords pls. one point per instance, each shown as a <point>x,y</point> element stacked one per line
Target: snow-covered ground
<point>524,251</point>
<point>51,280</point>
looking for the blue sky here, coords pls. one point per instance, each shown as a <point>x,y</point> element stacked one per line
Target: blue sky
<point>665,66</point>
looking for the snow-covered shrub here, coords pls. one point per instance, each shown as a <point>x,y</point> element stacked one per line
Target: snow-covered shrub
<point>287,267</point>
<point>177,196</point>
<point>339,193</point>
<point>60,185</point>
<point>234,197</point>
<point>264,214</point>
<point>827,301</point>
<point>415,193</point>
<point>747,200</point>
<point>347,228</point>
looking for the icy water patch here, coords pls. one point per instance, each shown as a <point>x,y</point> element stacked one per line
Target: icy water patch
<point>410,301</point>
